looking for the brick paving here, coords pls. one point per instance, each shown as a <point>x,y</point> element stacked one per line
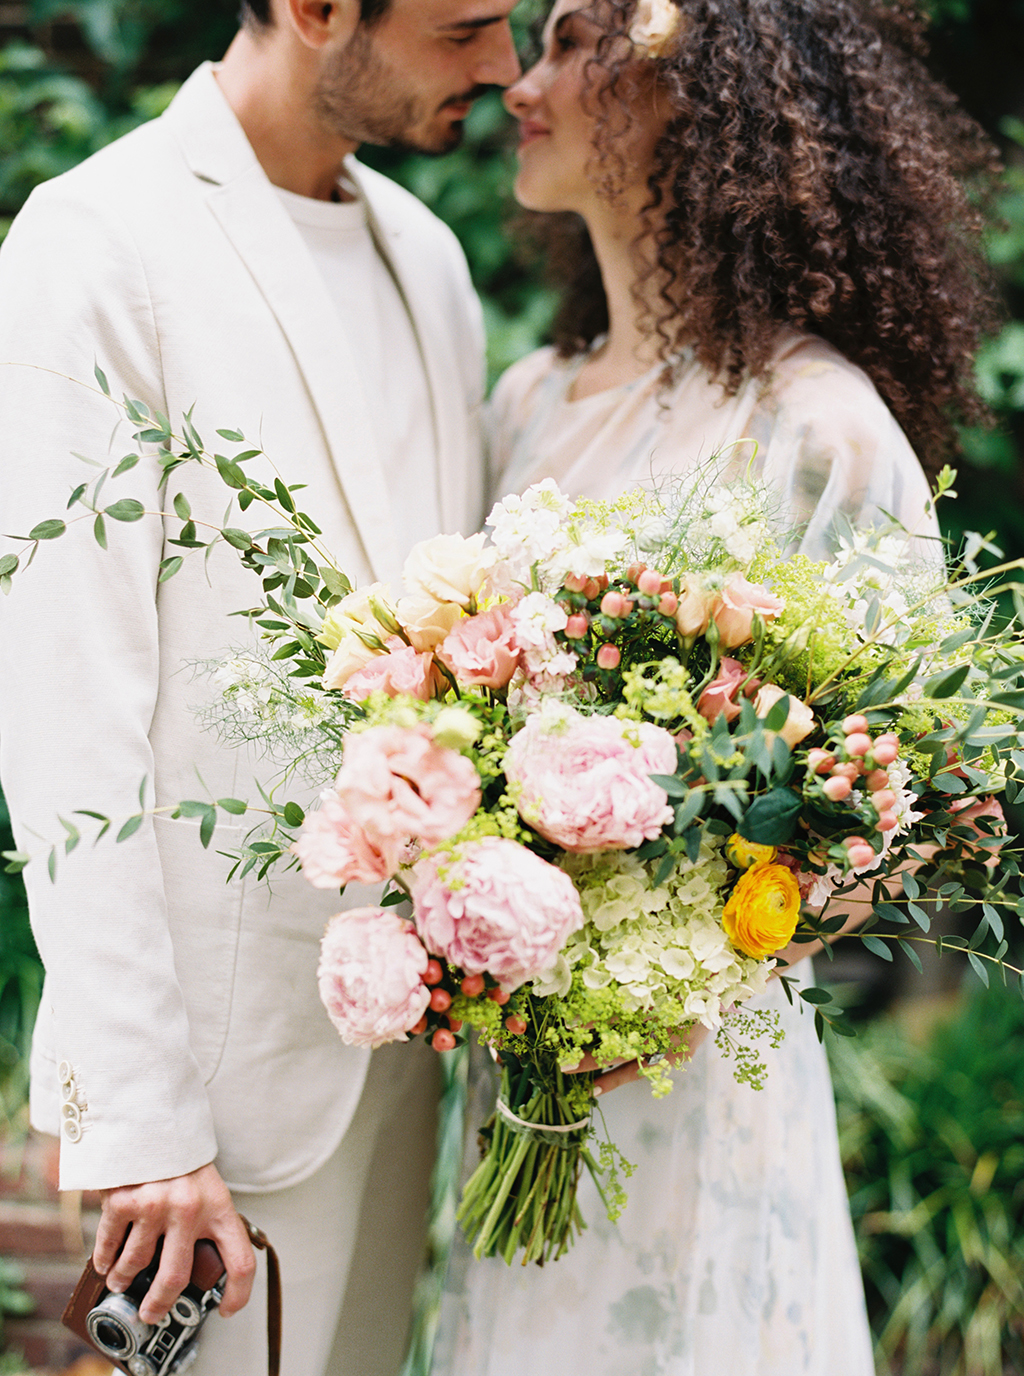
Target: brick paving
<point>49,1235</point>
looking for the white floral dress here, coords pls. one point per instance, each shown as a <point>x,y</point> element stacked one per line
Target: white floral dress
<point>735,1255</point>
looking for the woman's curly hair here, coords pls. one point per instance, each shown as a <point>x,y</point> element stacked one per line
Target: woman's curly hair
<point>812,175</point>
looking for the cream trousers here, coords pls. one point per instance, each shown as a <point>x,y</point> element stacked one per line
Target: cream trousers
<point>350,1239</point>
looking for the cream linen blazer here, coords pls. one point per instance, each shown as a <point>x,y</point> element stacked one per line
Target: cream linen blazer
<point>180,1020</point>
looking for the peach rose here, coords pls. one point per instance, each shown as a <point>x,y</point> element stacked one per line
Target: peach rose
<point>720,696</point>
<point>733,612</point>
<point>351,655</point>
<point>482,649</point>
<point>800,721</point>
<point>694,610</point>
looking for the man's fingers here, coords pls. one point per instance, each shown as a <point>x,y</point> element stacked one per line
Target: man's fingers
<point>173,1275</point>
<point>135,1256</point>
<point>109,1236</point>
<point>611,1079</point>
<point>240,1263</point>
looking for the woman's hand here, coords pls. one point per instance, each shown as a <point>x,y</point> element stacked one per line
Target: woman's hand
<point>625,1072</point>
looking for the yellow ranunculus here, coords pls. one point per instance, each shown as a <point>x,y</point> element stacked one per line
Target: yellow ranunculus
<point>763,910</point>
<point>743,853</point>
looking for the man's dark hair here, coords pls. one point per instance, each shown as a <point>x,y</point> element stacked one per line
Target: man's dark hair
<point>258,12</point>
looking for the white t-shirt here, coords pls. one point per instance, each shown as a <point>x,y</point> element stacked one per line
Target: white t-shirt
<point>384,343</point>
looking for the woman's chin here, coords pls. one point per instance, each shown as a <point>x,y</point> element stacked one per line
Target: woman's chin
<point>536,193</point>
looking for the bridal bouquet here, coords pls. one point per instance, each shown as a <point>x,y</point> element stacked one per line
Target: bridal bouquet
<point>615,757</point>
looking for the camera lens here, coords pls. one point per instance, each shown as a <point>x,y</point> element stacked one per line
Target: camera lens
<point>112,1337</point>
<point>115,1327</point>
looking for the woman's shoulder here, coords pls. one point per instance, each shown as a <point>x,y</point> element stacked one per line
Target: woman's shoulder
<point>810,374</point>
<point>520,382</point>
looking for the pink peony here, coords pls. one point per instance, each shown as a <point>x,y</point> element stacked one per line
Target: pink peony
<point>733,612</point>
<point>482,649</point>
<point>584,781</point>
<point>371,972</point>
<point>401,670</point>
<point>496,908</point>
<point>334,849</point>
<point>720,696</point>
<point>396,782</point>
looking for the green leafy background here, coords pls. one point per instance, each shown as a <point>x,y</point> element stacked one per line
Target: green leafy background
<point>931,1134</point>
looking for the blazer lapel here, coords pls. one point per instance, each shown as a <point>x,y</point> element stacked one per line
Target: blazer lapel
<point>254,220</point>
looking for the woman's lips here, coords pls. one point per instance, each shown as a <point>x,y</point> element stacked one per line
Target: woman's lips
<point>529,133</point>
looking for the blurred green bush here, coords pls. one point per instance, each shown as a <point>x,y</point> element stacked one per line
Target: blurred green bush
<point>933,1147</point>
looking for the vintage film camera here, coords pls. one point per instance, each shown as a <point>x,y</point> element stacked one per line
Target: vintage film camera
<point>113,1326</point>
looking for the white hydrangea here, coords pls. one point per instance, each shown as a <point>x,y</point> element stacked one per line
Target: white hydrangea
<point>656,943</point>
<point>528,530</point>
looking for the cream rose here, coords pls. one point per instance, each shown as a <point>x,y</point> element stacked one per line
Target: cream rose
<point>800,721</point>
<point>426,621</point>
<point>448,568</point>
<point>350,655</point>
<point>655,24</point>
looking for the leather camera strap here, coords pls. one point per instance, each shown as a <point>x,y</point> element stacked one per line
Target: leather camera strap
<point>261,1242</point>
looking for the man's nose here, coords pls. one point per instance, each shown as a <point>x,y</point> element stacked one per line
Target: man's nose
<point>499,62</point>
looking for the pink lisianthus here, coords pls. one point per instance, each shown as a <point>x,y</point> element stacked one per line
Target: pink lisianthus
<point>733,612</point>
<point>371,972</point>
<point>495,908</point>
<point>482,649</point>
<point>401,670</point>
<point>720,696</point>
<point>583,782</point>
<point>396,783</point>
<point>334,849</point>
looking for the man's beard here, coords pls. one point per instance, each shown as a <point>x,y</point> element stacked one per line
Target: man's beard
<point>363,99</point>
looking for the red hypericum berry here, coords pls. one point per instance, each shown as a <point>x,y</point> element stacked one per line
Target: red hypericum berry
<point>634,573</point>
<point>613,604</point>
<point>669,604</point>
<point>860,855</point>
<point>858,743</point>
<point>576,627</point>
<point>885,751</point>
<point>419,1027</point>
<point>888,821</point>
<point>884,799</point>
<point>820,761</point>
<point>516,1025</point>
<point>443,1040</point>
<point>608,657</point>
<point>455,1024</point>
<point>473,985</point>
<point>855,723</point>
<point>499,996</point>
<point>440,1000</point>
<point>576,582</point>
<point>877,779</point>
<point>602,581</point>
<point>591,588</point>
<point>837,788</point>
<point>434,974</point>
<point>650,582</point>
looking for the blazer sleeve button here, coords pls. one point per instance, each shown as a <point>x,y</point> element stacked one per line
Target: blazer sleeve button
<point>64,1072</point>
<point>71,1113</point>
<point>72,1130</point>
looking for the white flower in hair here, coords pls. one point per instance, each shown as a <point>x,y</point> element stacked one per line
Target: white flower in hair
<point>654,26</point>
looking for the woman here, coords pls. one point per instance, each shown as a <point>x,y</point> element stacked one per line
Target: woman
<point>769,242</point>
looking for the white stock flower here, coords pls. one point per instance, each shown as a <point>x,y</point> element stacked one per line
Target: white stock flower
<point>654,26</point>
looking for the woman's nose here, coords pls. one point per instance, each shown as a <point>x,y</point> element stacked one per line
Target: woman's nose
<point>522,96</point>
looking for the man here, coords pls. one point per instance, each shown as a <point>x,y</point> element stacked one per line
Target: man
<point>229,256</point>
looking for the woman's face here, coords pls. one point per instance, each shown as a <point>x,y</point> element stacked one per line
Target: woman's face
<point>555,103</point>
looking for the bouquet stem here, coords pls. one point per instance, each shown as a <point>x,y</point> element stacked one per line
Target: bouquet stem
<point>523,1193</point>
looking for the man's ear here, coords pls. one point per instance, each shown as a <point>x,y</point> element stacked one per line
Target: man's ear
<point>321,22</point>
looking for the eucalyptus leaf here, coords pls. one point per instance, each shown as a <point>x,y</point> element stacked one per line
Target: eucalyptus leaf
<point>47,530</point>
<point>127,509</point>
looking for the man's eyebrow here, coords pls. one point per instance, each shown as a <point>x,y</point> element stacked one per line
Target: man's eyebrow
<point>472,23</point>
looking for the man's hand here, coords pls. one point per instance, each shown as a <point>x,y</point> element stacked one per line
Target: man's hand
<point>181,1211</point>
